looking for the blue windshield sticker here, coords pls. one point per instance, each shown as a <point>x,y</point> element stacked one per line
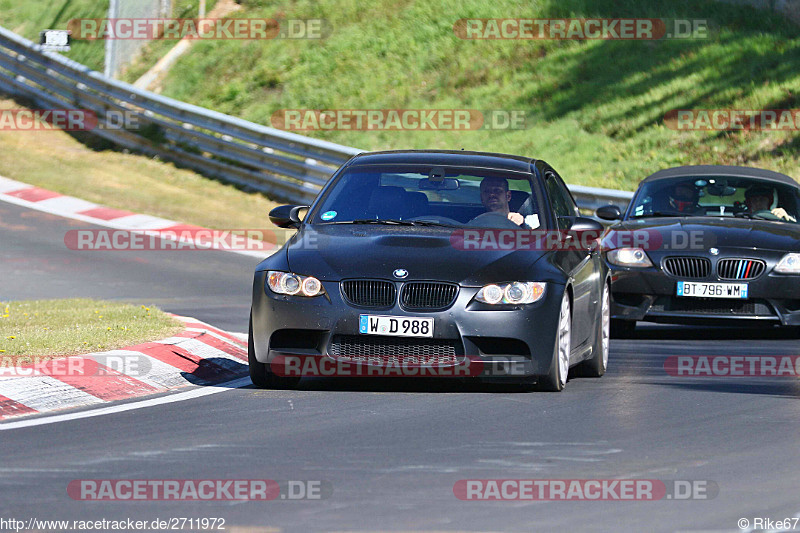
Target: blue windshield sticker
<point>329,215</point>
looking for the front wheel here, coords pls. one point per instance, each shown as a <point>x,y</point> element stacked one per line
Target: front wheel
<point>259,372</point>
<point>556,378</point>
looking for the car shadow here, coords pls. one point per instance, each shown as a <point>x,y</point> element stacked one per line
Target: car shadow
<point>408,385</point>
<point>777,387</point>
<point>652,331</point>
<point>215,371</point>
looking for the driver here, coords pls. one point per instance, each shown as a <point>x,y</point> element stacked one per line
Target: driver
<point>495,197</point>
<point>758,199</point>
<point>683,198</point>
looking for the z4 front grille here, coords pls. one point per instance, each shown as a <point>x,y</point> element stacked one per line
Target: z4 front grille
<point>740,268</point>
<point>687,267</point>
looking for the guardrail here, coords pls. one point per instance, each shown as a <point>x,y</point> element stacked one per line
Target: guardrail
<point>285,165</point>
<point>590,198</point>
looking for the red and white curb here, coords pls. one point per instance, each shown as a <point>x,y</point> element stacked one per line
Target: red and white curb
<point>30,196</point>
<point>199,355</point>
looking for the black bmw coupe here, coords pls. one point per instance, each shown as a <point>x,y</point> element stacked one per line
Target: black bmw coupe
<point>430,261</point>
<point>706,244</point>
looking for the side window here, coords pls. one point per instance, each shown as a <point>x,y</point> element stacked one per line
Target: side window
<point>560,199</point>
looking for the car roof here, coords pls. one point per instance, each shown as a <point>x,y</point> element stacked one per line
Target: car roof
<point>720,170</point>
<point>454,158</point>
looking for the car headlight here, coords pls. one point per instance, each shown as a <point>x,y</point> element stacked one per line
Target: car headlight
<point>517,292</point>
<point>629,257</point>
<point>790,264</point>
<point>293,284</point>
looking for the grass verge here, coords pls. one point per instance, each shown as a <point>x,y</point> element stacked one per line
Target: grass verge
<point>596,107</point>
<point>57,161</point>
<point>29,17</point>
<point>54,328</point>
<point>151,53</point>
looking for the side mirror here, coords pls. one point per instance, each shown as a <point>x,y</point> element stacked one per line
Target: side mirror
<point>287,216</point>
<point>584,224</point>
<point>609,212</point>
<point>583,232</point>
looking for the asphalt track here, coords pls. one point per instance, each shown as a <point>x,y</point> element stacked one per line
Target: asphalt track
<point>393,451</point>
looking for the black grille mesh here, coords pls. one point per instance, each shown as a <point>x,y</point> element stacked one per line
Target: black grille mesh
<point>395,350</point>
<point>369,292</point>
<point>428,295</point>
<point>687,267</point>
<point>401,360</point>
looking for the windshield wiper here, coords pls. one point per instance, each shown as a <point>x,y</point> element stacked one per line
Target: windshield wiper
<point>390,221</point>
<point>428,223</point>
<point>662,214</point>
<point>373,221</point>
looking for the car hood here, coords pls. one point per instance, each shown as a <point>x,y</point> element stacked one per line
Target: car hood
<point>675,234</point>
<point>336,252</point>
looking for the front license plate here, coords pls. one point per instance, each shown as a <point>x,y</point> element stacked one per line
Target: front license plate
<point>397,326</point>
<point>712,290</point>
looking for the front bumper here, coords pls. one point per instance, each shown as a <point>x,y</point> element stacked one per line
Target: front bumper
<point>649,294</point>
<point>515,342</point>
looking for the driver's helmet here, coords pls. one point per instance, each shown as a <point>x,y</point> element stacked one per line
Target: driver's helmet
<point>683,197</point>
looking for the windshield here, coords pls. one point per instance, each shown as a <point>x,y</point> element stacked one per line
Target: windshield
<point>719,196</point>
<point>418,195</point>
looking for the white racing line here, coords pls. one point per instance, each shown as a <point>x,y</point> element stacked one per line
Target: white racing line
<point>172,398</point>
<point>197,392</point>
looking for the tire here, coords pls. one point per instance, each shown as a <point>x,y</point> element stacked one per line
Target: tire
<point>597,365</point>
<point>556,378</point>
<point>622,329</point>
<point>259,372</point>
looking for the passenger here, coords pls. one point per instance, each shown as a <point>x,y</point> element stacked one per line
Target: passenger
<point>758,199</point>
